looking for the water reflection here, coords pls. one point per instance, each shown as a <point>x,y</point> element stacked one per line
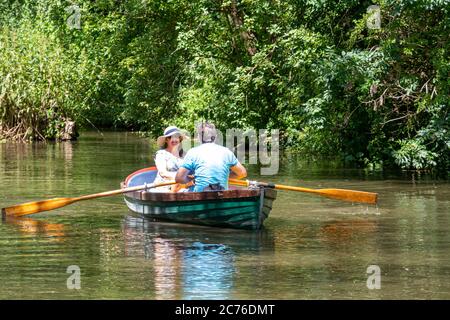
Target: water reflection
<point>66,149</point>
<point>46,167</point>
<point>191,262</point>
<point>37,227</point>
<point>208,271</point>
<point>167,265</point>
<point>339,232</point>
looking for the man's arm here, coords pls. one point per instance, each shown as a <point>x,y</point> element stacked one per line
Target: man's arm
<point>238,171</point>
<point>182,175</point>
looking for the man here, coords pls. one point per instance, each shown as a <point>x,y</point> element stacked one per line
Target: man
<point>210,163</point>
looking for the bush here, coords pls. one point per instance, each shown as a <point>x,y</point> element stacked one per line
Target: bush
<point>40,85</point>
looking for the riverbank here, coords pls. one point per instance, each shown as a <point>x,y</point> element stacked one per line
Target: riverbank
<point>372,95</point>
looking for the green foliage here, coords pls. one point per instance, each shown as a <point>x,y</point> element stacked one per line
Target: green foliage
<point>40,84</point>
<point>413,154</point>
<point>310,68</point>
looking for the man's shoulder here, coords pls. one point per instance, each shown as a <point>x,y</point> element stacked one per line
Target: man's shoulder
<point>202,147</point>
<point>220,147</point>
<point>193,150</point>
<point>226,150</point>
<point>206,148</point>
<point>217,149</point>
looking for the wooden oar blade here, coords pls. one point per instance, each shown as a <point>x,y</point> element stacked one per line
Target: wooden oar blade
<point>35,206</point>
<point>350,195</point>
<point>55,203</point>
<point>340,194</point>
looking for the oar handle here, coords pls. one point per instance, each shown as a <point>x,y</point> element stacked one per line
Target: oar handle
<point>247,183</point>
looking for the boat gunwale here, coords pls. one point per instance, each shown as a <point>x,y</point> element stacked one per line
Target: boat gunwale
<point>233,194</point>
<point>236,193</point>
<point>131,175</point>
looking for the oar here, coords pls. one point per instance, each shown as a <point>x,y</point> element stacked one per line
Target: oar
<point>341,194</point>
<point>55,203</point>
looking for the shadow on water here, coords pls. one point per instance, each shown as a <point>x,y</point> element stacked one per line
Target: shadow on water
<point>191,262</point>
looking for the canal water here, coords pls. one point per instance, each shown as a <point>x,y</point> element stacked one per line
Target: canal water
<point>311,247</point>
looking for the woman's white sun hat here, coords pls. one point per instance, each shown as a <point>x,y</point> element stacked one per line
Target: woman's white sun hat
<point>168,132</point>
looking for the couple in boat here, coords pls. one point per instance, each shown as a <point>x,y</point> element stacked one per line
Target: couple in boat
<point>206,167</point>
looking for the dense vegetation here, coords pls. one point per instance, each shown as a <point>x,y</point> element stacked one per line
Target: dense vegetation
<point>311,68</point>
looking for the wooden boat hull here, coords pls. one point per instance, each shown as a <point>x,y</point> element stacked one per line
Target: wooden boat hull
<point>240,208</point>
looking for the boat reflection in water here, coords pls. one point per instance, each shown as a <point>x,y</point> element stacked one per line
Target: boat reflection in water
<point>191,262</point>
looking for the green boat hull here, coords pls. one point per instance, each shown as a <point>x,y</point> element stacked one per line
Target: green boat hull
<point>239,208</point>
<point>241,214</point>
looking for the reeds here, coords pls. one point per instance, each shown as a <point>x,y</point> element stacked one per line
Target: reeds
<point>39,83</point>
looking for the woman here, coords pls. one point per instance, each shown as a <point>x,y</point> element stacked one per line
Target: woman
<point>169,158</point>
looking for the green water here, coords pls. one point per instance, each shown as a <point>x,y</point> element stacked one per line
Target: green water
<point>311,247</point>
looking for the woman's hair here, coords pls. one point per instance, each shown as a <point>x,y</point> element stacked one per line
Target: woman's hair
<point>180,151</point>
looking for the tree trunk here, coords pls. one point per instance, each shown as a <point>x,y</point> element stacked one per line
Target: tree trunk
<point>237,21</point>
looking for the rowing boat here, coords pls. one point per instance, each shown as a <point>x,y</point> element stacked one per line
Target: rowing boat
<point>238,207</point>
